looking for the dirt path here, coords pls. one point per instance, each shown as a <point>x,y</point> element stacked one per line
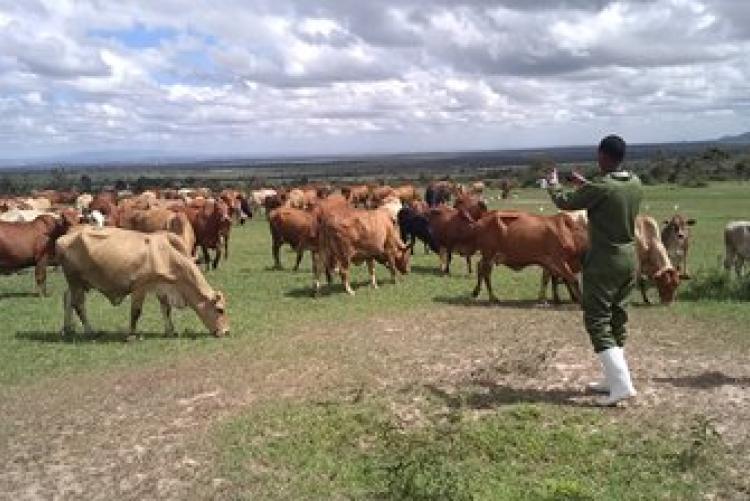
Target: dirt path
<point>141,434</point>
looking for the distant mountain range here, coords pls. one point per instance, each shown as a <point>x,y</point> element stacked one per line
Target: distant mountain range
<point>738,139</point>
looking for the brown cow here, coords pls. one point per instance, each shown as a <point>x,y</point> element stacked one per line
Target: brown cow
<point>676,239</point>
<point>294,227</point>
<point>518,240</point>
<point>32,244</point>
<point>239,208</point>
<point>407,193</point>
<point>349,235</point>
<point>211,224</point>
<point>357,195</point>
<point>452,231</point>
<point>472,204</point>
<point>653,261</point>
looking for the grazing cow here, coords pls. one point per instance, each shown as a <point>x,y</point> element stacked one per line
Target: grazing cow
<point>294,227</point>
<point>119,263</point>
<point>348,235</point>
<point>32,244</point>
<point>736,245</point>
<point>438,193</point>
<point>506,185</point>
<point>676,238</point>
<point>518,240</point>
<point>415,225</point>
<point>653,261</point>
<point>452,231</point>
<point>160,219</point>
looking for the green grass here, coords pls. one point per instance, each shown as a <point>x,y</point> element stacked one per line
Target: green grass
<point>347,451</point>
<point>266,305</point>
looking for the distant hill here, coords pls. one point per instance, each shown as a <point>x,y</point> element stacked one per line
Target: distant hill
<point>738,139</point>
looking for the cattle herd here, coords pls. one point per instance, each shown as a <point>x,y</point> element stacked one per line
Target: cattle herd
<point>123,244</point>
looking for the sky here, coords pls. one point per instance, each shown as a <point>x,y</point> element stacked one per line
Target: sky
<point>290,77</point>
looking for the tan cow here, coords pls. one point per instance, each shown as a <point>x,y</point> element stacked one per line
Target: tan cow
<point>349,235</point>
<point>653,260</point>
<point>120,263</point>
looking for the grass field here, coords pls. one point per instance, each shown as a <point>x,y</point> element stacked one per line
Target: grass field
<point>411,391</point>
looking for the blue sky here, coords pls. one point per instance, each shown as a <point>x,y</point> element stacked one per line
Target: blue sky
<point>293,77</point>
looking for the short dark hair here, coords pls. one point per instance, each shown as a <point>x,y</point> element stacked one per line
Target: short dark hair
<point>614,147</point>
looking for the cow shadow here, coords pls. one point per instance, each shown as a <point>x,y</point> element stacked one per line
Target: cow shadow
<point>706,380</point>
<point>17,295</point>
<point>521,304</point>
<point>101,336</point>
<point>491,395</point>
<point>420,269</point>
<point>335,288</point>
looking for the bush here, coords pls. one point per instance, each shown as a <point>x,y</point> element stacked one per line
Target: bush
<point>719,285</point>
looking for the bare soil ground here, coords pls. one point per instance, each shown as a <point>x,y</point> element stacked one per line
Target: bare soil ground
<point>142,434</point>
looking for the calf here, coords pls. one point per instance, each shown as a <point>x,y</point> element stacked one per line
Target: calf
<point>675,235</point>
<point>653,261</point>
<point>736,245</point>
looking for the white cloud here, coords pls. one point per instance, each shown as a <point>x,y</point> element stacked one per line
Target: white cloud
<point>292,75</point>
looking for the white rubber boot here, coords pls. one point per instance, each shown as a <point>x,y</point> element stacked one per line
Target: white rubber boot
<point>618,376</point>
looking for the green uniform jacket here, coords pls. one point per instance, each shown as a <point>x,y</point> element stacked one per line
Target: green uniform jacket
<point>612,204</point>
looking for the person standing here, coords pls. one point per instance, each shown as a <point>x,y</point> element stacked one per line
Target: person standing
<point>609,267</point>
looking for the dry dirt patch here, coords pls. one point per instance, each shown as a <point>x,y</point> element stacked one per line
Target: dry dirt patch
<point>140,433</point>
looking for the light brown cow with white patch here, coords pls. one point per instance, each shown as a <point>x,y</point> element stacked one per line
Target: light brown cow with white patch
<point>653,260</point>
<point>675,235</point>
<point>120,263</point>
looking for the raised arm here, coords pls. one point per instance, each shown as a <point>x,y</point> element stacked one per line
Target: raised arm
<point>585,197</point>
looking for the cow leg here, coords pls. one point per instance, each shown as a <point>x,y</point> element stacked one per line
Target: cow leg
<point>206,257</point>
<point>546,277</point>
<point>77,299</point>
<point>67,314</point>
<point>487,275</point>
<point>344,273</point>
<point>575,291</point>
<point>468,265</point>
<point>300,253</point>
<point>642,285</point>
<point>217,256</point>
<point>166,313</point>
<point>317,263</point>
<point>443,255</point>
<point>136,307</point>
<point>40,276</point>
<point>478,288</point>
<point>556,289</point>
<point>371,271</point>
<point>226,246</point>
<point>275,247</point>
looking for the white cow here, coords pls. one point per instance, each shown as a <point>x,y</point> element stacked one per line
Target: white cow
<point>736,245</point>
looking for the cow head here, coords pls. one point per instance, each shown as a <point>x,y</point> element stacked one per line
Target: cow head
<point>667,281</point>
<point>213,314</point>
<point>677,225</point>
<point>403,258</point>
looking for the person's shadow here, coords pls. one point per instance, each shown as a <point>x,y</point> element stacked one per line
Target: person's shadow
<point>705,380</point>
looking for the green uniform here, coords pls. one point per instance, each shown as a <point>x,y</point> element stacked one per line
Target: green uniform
<point>609,266</point>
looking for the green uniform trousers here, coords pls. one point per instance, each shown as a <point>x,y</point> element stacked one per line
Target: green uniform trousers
<point>607,284</point>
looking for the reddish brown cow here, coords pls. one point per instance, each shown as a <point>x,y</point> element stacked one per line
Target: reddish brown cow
<point>356,195</point>
<point>32,244</point>
<point>518,240</point>
<point>349,235</point>
<point>294,227</point>
<point>211,223</point>
<point>452,231</point>
<point>472,204</point>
